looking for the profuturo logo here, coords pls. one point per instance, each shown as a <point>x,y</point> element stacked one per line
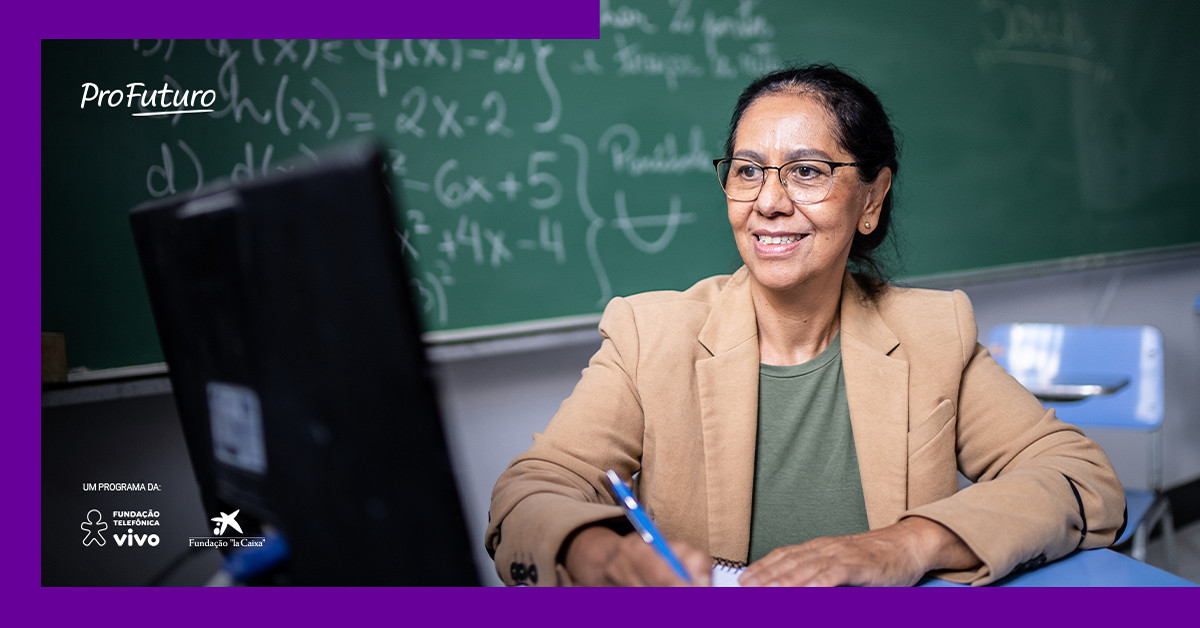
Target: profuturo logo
<point>178,100</point>
<point>93,525</point>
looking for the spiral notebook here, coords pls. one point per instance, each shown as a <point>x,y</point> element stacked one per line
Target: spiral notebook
<point>723,576</point>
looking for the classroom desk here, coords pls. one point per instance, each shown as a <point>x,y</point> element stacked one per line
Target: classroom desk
<point>1093,568</point>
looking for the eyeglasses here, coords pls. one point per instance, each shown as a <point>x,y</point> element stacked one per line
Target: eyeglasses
<point>805,180</point>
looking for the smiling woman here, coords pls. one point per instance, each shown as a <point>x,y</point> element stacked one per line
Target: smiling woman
<point>796,232</point>
<point>852,118</point>
<point>797,417</point>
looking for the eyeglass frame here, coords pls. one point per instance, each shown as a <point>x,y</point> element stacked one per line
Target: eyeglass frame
<point>833,166</point>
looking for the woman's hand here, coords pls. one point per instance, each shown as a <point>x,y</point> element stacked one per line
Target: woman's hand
<point>599,556</point>
<point>897,555</point>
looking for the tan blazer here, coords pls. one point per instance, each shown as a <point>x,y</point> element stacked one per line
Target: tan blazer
<point>673,394</point>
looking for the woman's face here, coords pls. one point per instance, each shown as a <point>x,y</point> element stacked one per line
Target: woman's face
<point>816,237</point>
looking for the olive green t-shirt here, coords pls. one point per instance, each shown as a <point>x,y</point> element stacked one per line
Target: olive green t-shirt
<point>806,481</point>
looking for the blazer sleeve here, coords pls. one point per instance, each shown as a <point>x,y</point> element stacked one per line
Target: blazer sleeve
<point>558,485</point>
<point>1041,488</point>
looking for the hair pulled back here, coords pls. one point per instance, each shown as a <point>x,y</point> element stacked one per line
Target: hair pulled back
<point>862,128</point>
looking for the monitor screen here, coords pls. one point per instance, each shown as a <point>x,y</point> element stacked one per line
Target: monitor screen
<point>285,316</point>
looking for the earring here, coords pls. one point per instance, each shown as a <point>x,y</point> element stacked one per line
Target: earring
<point>867,225</point>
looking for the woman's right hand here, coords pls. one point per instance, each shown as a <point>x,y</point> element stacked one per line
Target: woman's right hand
<point>598,556</point>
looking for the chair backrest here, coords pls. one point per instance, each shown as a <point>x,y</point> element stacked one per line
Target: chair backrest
<point>1108,377</point>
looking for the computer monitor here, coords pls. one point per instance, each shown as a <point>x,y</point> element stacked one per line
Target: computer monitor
<point>284,311</point>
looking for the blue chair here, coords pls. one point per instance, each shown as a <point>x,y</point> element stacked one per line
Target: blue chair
<point>1099,377</point>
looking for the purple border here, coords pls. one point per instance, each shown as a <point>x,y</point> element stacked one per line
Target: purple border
<point>20,316</point>
<point>20,257</point>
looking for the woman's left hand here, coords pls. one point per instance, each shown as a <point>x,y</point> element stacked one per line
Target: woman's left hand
<point>897,555</point>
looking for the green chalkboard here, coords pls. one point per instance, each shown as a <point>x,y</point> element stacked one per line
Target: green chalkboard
<point>540,178</point>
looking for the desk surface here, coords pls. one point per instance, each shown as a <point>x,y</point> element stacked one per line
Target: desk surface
<point>1093,568</point>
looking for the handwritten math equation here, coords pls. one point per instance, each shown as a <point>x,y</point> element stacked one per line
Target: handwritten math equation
<point>507,153</point>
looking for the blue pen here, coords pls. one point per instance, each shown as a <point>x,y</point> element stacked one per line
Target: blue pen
<point>644,526</point>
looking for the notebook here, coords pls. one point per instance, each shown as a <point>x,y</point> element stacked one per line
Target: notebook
<point>723,576</point>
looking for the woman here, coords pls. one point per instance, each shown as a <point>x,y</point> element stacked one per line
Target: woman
<point>796,416</point>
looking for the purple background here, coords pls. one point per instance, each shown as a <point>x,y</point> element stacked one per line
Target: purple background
<point>20,259</point>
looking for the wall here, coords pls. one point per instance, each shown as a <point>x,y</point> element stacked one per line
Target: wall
<point>492,407</point>
<point>494,404</point>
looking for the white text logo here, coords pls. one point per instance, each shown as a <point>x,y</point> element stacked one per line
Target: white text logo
<point>129,538</point>
<point>180,100</point>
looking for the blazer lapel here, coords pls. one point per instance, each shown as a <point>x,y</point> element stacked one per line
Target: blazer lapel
<point>728,387</point>
<point>877,392</point>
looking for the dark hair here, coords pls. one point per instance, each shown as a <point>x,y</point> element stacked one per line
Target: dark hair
<point>862,128</point>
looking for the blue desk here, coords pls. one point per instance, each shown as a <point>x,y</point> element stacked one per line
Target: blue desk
<point>1093,568</point>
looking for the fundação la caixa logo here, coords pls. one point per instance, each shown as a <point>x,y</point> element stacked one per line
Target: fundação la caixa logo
<point>223,523</point>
